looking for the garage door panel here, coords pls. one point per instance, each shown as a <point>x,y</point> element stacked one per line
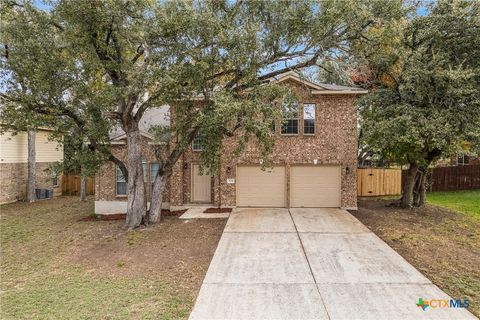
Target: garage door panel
<point>315,186</point>
<point>261,188</point>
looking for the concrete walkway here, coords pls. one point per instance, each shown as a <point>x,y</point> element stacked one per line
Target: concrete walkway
<point>311,264</point>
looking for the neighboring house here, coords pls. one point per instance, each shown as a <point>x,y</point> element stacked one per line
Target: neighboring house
<point>314,160</point>
<point>13,164</point>
<point>463,159</point>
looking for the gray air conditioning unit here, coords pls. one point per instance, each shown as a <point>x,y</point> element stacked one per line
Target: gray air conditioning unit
<point>43,193</point>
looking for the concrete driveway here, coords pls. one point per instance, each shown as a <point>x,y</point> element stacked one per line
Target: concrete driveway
<point>311,264</point>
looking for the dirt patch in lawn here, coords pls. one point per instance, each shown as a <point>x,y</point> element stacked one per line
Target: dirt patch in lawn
<point>122,216</point>
<point>177,250</point>
<point>52,263</point>
<point>218,210</point>
<point>104,217</point>
<point>442,244</point>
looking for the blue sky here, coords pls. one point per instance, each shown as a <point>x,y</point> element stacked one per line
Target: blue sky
<point>41,5</point>
<point>422,11</point>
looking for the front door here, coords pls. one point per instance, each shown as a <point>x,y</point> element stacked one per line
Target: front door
<point>201,185</point>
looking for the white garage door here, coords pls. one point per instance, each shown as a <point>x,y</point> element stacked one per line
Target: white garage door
<point>261,188</point>
<point>315,186</point>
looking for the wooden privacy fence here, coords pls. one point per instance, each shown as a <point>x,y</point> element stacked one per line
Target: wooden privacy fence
<point>455,178</point>
<point>71,185</point>
<point>378,182</point>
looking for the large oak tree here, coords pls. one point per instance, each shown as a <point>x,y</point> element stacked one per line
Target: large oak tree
<point>105,63</point>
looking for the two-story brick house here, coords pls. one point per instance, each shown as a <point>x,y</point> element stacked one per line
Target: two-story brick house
<point>314,160</point>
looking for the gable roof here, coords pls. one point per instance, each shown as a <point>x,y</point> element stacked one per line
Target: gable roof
<point>319,88</point>
<point>160,115</point>
<point>151,117</point>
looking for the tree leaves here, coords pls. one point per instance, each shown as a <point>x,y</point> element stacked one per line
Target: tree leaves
<point>434,104</point>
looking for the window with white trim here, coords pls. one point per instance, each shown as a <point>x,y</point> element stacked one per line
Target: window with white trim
<point>197,143</point>
<point>121,183</point>
<point>463,159</point>
<point>290,119</point>
<point>309,118</point>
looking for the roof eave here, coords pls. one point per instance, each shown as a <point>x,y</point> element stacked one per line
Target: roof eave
<point>316,88</point>
<point>339,92</point>
<point>123,136</point>
<point>291,76</point>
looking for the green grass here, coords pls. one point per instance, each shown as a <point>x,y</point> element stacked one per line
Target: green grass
<point>72,294</point>
<point>461,201</point>
<point>39,281</point>
<point>444,244</point>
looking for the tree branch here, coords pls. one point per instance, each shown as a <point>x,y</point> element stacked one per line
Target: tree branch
<point>310,62</point>
<point>80,123</point>
<point>178,150</point>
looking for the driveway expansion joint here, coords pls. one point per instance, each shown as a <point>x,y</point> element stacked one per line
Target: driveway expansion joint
<point>288,264</point>
<point>309,265</point>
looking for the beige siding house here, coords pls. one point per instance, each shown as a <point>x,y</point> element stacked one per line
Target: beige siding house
<point>13,164</point>
<point>314,161</point>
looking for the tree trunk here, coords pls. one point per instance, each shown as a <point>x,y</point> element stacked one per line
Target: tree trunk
<point>157,197</point>
<point>31,197</point>
<point>422,196</point>
<point>421,187</point>
<point>409,185</point>
<point>137,202</point>
<point>416,188</point>
<point>83,188</point>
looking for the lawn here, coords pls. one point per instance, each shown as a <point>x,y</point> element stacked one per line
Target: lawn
<point>467,201</point>
<point>442,244</point>
<point>54,266</point>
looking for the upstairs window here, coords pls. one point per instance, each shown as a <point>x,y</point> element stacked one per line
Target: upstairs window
<point>197,143</point>
<point>290,119</point>
<point>121,183</point>
<point>309,118</point>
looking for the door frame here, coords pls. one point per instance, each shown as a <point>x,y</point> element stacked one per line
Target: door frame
<point>192,184</point>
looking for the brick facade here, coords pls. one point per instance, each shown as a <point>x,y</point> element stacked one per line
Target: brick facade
<point>105,179</point>
<point>14,177</point>
<point>334,143</point>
